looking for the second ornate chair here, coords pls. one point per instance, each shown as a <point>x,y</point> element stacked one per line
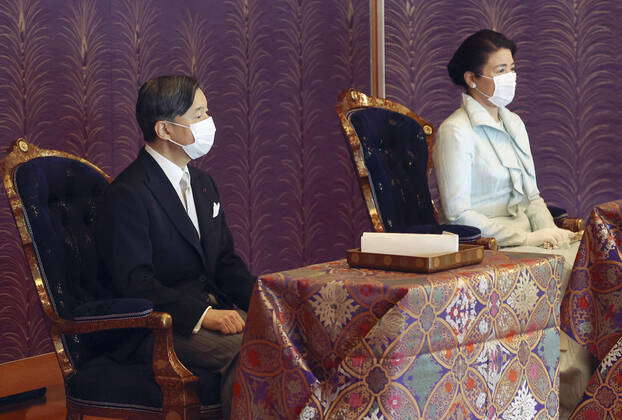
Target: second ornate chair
<point>392,149</point>
<point>53,197</point>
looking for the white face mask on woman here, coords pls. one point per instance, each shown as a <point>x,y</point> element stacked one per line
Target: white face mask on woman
<point>505,87</point>
<point>204,133</point>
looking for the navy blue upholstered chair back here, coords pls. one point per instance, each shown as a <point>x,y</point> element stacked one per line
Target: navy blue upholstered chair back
<point>59,197</point>
<point>396,155</point>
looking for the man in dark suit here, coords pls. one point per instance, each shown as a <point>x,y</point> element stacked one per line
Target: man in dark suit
<point>162,234</point>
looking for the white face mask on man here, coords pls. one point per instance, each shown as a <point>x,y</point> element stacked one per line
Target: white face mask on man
<point>505,88</point>
<point>204,133</point>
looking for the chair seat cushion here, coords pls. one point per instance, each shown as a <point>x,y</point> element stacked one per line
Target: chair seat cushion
<point>465,233</point>
<point>105,383</point>
<point>112,309</point>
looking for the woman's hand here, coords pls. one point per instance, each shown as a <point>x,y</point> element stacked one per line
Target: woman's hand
<point>558,238</point>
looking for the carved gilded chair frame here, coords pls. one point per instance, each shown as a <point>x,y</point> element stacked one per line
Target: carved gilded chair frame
<point>178,384</point>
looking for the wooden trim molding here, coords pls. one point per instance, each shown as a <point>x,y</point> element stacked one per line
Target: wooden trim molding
<point>30,373</point>
<point>376,33</point>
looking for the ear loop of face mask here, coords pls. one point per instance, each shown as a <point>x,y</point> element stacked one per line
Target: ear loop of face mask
<point>181,125</point>
<point>474,86</point>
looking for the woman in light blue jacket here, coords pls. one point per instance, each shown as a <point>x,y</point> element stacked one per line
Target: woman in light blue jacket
<point>486,176</point>
<point>483,162</point>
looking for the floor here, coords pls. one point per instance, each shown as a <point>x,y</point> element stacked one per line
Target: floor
<point>50,407</point>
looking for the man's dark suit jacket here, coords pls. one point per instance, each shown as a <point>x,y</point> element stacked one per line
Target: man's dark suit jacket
<point>149,248</point>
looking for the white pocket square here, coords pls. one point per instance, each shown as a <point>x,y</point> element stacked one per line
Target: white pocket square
<point>216,209</point>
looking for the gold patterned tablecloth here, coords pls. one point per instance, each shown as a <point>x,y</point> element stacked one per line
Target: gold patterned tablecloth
<point>591,310</point>
<point>330,342</point>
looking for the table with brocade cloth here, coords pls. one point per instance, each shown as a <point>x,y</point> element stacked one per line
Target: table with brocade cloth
<point>330,342</point>
<point>591,311</point>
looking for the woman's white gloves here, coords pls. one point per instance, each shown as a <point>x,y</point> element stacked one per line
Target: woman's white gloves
<point>553,237</point>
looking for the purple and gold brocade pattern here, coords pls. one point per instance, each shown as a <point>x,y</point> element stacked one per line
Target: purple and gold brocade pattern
<point>326,341</point>
<point>591,311</point>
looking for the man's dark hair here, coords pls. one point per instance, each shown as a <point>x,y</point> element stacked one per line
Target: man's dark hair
<point>163,98</point>
<point>473,54</point>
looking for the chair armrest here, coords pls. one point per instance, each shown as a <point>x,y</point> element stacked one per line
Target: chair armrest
<point>153,320</point>
<point>488,243</point>
<point>574,224</point>
<point>160,323</point>
<point>561,219</point>
<point>112,309</point>
<point>180,388</point>
<point>178,385</point>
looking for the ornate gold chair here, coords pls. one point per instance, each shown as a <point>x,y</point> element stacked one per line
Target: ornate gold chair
<point>392,152</point>
<point>53,198</point>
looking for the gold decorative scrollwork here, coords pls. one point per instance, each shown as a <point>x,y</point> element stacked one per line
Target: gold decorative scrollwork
<point>23,146</point>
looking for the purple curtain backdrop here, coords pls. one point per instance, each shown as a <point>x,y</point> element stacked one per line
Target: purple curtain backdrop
<point>271,69</point>
<point>569,66</point>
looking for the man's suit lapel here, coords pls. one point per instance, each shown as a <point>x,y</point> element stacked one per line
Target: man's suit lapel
<point>165,194</point>
<point>204,202</point>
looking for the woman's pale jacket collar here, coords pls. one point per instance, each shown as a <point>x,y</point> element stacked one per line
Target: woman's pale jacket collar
<point>479,116</point>
<point>518,162</point>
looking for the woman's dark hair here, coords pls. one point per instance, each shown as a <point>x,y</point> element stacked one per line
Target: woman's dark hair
<point>163,98</point>
<point>473,53</point>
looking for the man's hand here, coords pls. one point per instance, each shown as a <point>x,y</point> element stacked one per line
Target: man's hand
<point>225,321</point>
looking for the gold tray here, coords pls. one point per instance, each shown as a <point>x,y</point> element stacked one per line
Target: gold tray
<point>466,255</point>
